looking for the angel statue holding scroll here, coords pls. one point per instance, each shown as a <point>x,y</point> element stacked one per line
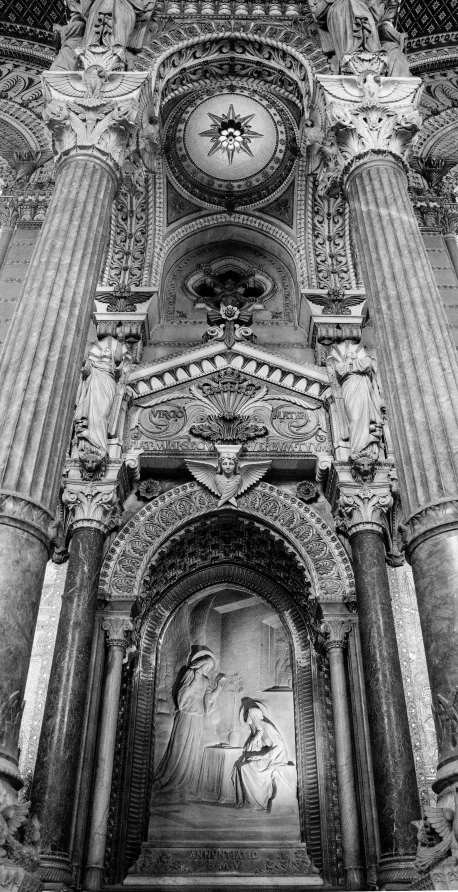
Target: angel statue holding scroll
<point>228,478</point>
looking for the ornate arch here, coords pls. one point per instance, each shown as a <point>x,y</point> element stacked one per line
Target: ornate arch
<point>133,550</point>
<point>184,53</point>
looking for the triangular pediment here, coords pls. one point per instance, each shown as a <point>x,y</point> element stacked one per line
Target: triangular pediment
<point>297,378</point>
<point>211,394</point>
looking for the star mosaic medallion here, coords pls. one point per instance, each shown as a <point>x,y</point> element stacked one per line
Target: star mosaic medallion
<point>230,133</point>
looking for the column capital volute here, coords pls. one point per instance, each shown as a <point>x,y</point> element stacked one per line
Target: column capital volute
<point>335,631</point>
<point>95,113</point>
<point>118,628</point>
<point>91,506</point>
<point>366,118</point>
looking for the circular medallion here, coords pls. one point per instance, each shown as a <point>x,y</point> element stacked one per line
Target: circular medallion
<point>232,142</point>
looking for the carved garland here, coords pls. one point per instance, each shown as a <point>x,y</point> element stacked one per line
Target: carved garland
<point>132,551</point>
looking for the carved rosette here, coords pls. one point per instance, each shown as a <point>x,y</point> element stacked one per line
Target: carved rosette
<point>335,631</point>
<point>95,112</point>
<point>118,629</point>
<point>91,507</point>
<point>364,508</point>
<point>368,116</point>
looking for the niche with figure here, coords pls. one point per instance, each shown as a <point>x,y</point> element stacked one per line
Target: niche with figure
<point>225,770</point>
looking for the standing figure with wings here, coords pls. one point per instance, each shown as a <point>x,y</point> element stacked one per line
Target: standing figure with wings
<point>229,478</point>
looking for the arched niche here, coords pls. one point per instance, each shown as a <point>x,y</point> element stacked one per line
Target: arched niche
<point>154,561</point>
<point>317,792</point>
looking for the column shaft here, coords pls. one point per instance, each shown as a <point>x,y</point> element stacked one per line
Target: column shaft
<point>104,768</point>
<point>419,368</point>
<point>42,357</point>
<point>417,359</point>
<point>6,234</point>
<point>394,771</point>
<point>58,751</point>
<point>354,873</point>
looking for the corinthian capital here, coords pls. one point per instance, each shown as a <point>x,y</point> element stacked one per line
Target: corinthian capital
<point>95,111</point>
<point>368,115</point>
<point>93,507</point>
<point>335,631</point>
<point>118,630</point>
<point>364,508</point>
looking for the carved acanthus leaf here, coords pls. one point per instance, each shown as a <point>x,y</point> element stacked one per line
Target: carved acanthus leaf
<point>96,507</point>
<point>99,117</point>
<point>118,628</point>
<point>335,631</point>
<point>370,114</point>
<point>365,508</point>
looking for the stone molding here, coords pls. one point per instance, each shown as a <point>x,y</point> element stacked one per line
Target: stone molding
<point>429,521</point>
<point>336,630</point>
<point>98,119</point>
<point>368,116</point>
<point>117,628</point>
<point>25,514</point>
<point>131,553</point>
<point>91,506</point>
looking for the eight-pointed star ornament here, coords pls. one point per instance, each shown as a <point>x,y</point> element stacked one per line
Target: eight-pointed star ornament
<point>230,133</point>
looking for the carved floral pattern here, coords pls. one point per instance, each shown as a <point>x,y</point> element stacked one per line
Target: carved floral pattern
<point>131,553</point>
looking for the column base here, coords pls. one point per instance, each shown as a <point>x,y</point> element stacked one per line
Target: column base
<point>397,872</point>
<point>93,879</point>
<point>56,872</point>
<point>15,878</point>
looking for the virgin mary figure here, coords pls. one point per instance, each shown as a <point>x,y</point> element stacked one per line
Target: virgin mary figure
<point>178,770</point>
<point>263,777</point>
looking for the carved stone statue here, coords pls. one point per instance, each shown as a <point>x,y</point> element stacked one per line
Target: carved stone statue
<point>226,477</point>
<point>349,27</point>
<point>104,365</point>
<point>194,696</point>
<point>263,777</point>
<point>355,372</point>
<point>117,24</point>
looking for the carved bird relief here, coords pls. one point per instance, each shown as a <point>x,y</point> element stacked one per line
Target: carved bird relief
<point>227,477</point>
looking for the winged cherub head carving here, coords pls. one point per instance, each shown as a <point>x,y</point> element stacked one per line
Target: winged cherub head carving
<point>225,476</point>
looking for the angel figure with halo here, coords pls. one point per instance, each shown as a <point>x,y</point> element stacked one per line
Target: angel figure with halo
<point>228,478</point>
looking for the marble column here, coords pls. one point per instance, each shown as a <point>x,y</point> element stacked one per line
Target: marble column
<point>393,764</point>
<point>418,362</point>
<point>452,248</point>
<point>92,508</point>
<point>116,628</point>
<point>41,359</point>
<point>336,630</point>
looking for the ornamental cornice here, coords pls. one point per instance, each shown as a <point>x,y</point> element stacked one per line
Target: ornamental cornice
<point>91,506</point>
<point>95,111</point>
<point>367,117</point>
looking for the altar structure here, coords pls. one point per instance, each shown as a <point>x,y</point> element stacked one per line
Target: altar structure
<point>228,445</point>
